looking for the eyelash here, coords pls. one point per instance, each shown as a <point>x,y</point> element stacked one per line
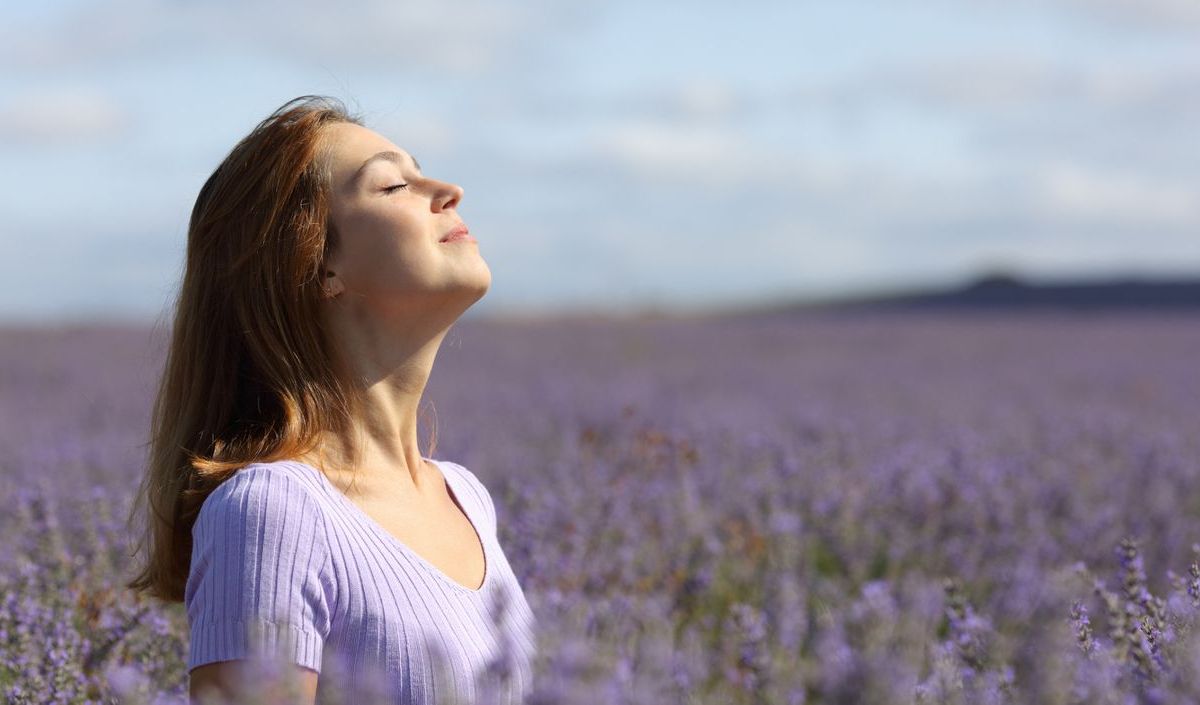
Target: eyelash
<point>390,189</point>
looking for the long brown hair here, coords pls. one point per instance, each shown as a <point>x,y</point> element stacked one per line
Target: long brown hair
<point>250,375</point>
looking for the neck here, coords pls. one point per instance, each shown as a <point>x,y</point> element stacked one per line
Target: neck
<point>388,375</point>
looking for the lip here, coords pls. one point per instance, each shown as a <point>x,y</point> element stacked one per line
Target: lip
<point>458,232</point>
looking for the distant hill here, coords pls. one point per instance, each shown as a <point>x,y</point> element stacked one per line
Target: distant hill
<point>1007,292</point>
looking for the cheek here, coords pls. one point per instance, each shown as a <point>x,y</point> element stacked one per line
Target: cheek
<point>380,246</point>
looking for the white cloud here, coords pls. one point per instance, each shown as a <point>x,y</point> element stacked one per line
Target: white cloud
<point>702,180</point>
<point>1161,14</point>
<point>979,82</point>
<point>1066,191</point>
<point>706,98</point>
<point>62,115</point>
<point>667,148</point>
<point>725,159</point>
<point>422,133</point>
<point>470,38</point>
<point>996,82</point>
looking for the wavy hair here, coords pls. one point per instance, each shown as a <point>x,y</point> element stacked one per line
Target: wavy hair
<point>250,374</point>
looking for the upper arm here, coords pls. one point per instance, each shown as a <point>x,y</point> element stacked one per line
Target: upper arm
<point>222,680</point>
<point>258,584</point>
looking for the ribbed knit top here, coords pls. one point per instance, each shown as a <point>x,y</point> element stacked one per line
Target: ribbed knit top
<point>284,564</point>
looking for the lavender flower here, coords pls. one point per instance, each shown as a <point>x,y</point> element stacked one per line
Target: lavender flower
<point>1083,628</point>
<point>747,626</point>
<point>823,474</point>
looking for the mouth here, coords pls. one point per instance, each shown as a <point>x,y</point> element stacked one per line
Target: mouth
<point>458,232</point>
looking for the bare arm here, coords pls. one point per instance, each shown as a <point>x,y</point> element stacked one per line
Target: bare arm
<point>219,683</point>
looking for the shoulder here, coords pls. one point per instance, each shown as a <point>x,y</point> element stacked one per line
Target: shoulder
<point>461,470</point>
<point>269,490</point>
<point>263,520</point>
<point>472,480</point>
<point>260,574</point>
<point>474,485</point>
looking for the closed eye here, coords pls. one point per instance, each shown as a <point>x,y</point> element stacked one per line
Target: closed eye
<point>390,189</point>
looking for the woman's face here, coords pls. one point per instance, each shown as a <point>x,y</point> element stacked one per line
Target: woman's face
<point>391,220</point>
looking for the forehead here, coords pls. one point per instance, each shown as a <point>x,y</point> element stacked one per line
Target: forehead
<point>350,145</point>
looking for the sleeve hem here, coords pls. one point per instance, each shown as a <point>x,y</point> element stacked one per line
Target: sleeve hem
<point>227,641</point>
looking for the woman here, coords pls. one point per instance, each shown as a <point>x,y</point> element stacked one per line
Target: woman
<point>291,507</point>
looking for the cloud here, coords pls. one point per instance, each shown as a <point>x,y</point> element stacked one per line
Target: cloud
<point>669,149</point>
<point>726,160</point>
<point>477,37</point>
<point>423,132</point>
<point>996,110</point>
<point>1172,15</point>
<point>886,156</point>
<point>1066,191</point>
<point>998,83</point>
<point>62,115</point>
<point>986,83</point>
<point>705,98</point>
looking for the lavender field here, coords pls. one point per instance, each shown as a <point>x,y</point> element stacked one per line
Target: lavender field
<point>843,508</point>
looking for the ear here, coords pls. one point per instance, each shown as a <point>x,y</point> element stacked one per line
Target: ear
<point>331,284</point>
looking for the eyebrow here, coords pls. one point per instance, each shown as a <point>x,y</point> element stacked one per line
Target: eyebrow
<point>388,156</point>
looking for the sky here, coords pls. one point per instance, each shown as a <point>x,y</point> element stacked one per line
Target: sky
<point>625,156</point>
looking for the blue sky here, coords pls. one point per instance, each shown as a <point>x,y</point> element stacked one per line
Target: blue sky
<point>619,155</point>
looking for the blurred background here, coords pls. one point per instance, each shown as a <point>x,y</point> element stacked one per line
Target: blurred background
<point>779,508</point>
<point>626,156</point>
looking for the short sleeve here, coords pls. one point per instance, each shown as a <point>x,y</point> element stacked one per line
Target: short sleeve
<point>258,583</point>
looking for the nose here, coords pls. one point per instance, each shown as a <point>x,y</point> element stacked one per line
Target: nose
<point>448,196</point>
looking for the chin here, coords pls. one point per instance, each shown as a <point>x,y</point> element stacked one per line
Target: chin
<point>483,288</point>
<point>478,286</point>
<point>485,280</point>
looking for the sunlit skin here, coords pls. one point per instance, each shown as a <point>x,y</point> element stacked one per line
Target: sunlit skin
<point>391,275</point>
<point>392,292</point>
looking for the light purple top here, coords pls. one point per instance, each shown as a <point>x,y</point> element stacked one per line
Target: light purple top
<point>284,563</point>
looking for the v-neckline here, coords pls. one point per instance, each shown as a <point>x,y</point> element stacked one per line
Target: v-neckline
<point>388,536</point>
